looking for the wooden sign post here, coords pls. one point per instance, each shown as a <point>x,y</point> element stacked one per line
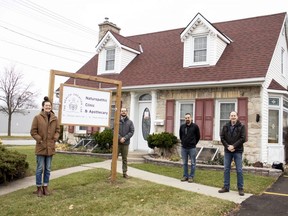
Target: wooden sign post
<point>118,85</point>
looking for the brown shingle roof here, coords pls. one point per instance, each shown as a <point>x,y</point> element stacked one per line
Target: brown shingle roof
<point>248,56</point>
<point>276,86</point>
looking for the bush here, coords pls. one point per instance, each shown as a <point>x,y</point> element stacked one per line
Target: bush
<point>104,141</point>
<point>13,165</point>
<point>164,140</point>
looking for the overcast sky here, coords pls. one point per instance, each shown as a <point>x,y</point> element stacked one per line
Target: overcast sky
<point>39,35</point>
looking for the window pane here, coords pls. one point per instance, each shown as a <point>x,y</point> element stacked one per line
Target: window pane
<point>200,49</point>
<point>225,109</point>
<point>273,130</point>
<point>185,108</point>
<point>110,59</point>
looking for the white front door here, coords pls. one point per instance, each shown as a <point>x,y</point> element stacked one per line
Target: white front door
<point>144,124</point>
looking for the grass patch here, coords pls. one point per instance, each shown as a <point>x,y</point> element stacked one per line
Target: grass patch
<point>90,193</point>
<point>60,161</point>
<point>254,184</point>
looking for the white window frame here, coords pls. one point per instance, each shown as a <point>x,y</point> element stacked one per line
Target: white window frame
<point>177,114</point>
<point>217,129</point>
<point>107,59</point>
<point>79,131</point>
<point>200,49</point>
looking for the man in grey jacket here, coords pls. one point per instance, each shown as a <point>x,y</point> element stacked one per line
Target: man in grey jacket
<point>126,131</point>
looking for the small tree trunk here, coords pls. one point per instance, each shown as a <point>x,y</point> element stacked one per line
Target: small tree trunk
<point>9,124</point>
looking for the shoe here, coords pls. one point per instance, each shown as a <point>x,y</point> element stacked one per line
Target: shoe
<point>241,192</point>
<point>125,176</point>
<point>45,191</point>
<point>223,190</point>
<point>184,179</point>
<point>190,180</point>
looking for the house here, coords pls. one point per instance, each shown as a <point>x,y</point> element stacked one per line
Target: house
<point>207,69</point>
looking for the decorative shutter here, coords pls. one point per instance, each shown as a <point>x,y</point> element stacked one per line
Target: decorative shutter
<point>71,129</point>
<point>204,116</point>
<point>169,126</point>
<point>243,113</point>
<point>88,130</point>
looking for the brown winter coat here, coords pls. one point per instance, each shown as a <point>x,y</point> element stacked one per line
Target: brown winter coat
<point>45,133</point>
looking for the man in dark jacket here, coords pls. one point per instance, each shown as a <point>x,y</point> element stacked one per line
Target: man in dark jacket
<point>126,131</point>
<point>189,134</point>
<point>233,136</point>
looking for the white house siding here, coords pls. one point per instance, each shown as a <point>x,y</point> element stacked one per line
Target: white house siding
<point>220,47</point>
<point>126,58</point>
<point>272,152</point>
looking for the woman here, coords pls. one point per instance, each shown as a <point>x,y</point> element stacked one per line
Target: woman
<point>45,130</point>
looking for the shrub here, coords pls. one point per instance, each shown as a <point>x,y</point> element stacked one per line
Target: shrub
<point>164,140</point>
<point>104,141</point>
<point>13,165</point>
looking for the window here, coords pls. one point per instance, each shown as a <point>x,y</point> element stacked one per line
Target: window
<point>112,117</point>
<point>200,49</point>
<point>223,109</point>
<point>273,126</point>
<point>185,108</point>
<point>110,59</point>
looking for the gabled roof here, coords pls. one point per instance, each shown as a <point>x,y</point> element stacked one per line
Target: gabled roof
<point>161,63</point>
<point>276,86</point>
<point>199,19</point>
<point>120,41</point>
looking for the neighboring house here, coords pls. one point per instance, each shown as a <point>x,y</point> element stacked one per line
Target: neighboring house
<point>20,124</point>
<point>207,69</point>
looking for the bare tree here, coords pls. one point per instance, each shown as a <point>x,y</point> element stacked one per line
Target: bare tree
<point>15,96</point>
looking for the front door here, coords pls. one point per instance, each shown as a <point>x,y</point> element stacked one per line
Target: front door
<point>144,124</point>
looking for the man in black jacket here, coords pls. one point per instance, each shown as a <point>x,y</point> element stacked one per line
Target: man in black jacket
<point>233,136</point>
<point>126,131</point>
<point>189,134</point>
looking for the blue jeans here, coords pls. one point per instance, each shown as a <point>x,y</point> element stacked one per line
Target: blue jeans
<point>228,156</point>
<point>43,163</point>
<point>185,153</point>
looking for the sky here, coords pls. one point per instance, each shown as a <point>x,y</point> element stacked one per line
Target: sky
<point>37,36</point>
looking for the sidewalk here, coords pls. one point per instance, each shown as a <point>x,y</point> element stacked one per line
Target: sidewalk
<point>159,179</point>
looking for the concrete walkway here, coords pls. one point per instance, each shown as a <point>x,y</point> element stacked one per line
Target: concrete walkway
<point>159,179</point>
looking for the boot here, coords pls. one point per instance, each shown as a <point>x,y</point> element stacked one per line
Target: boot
<point>39,192</point>
<point>45,191</point>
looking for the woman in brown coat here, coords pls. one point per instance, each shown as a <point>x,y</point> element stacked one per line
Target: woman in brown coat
<point>45,130</point>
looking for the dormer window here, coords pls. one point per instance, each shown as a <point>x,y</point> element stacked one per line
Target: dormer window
<point>110,59</point>
<point>200,49</point>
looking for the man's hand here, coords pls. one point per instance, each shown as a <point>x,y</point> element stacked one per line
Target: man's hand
<point>122,140</point>
<point>231,148</point>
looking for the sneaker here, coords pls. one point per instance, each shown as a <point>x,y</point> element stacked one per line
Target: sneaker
<point>190,180</point>
<point>223,190</point>
<point>125,176</point>
<point>184,179</point>
<point>241,192</point>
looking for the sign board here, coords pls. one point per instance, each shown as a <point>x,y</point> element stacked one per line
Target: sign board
<point>84,106</point>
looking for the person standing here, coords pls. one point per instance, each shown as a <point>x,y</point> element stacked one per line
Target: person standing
<point>189,134</point>
<point>126,131</point>
<point>45,130</point>
<point>233,136</point>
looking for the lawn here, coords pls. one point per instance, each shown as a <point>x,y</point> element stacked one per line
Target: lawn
<point>60,161</point>
<point>90,193</point>
<point>254,184</point>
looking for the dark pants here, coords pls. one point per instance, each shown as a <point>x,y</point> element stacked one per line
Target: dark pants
<point>123,150</point>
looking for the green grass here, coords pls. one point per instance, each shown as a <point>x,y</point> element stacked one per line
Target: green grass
<point>60,161</point>
<point>90,193</point>
<point>254,184</point>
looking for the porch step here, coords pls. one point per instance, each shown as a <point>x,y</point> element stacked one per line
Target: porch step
<point>135,156</point>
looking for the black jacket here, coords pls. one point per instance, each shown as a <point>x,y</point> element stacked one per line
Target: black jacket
<point>235,136</point>
<point>189,135</point>
<point>126,129</point>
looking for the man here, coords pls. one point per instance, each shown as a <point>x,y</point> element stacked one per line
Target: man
<point>126,131</point>
<point>189,134</point>
<point>233,136</point>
